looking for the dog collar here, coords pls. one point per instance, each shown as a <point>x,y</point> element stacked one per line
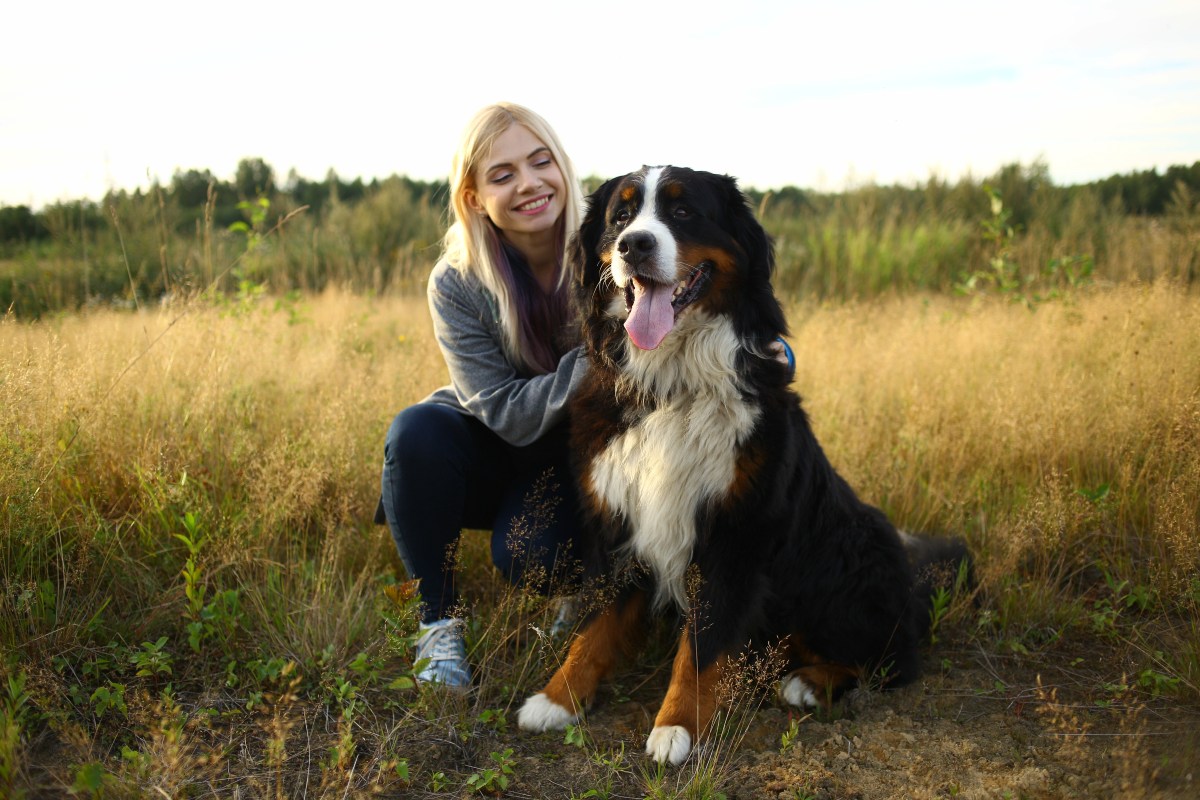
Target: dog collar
<point>787,350</point>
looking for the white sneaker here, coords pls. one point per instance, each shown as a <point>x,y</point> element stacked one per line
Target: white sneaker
<point>444,651</point>
<point>567,618</point>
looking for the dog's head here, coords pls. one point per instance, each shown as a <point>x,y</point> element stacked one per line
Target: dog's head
<point>664,242</point>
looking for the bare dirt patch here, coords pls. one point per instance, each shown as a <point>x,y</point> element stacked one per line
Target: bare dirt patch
<point>977,725</point>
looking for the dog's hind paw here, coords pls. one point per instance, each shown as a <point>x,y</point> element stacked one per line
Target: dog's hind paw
<point>540,713</point>
<point>796,692</point>
<point>669,743</point>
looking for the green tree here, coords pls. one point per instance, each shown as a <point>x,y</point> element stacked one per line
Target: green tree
<point>190,188</point>
<point>18,224</point>
<point>255,178</point>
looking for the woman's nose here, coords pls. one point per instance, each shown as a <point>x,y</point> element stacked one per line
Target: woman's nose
<point>529,179</point>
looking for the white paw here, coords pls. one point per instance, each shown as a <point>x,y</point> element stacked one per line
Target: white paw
<point>540,713</point>
<point>797,693</point>
<point>669,743</point>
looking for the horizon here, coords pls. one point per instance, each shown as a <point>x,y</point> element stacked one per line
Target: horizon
<point>781,94</point>
<point>281,183</point>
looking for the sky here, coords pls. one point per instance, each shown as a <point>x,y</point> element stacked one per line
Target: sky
<point>821,95</point>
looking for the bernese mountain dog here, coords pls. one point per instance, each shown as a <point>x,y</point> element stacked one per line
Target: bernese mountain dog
<point>702,483</point>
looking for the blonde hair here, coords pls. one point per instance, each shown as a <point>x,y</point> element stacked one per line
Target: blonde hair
<point>471,242</point>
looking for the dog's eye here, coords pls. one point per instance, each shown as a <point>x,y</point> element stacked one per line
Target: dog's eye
<point>681,212</point>
<point>622,216</point>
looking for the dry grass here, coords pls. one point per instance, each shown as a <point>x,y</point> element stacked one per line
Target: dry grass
<point>988,418</point>
<point>1063,442</point>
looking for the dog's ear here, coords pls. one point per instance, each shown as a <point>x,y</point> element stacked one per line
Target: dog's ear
<point>762,305</point>
<point>583,251</point>
<point>747,231</point>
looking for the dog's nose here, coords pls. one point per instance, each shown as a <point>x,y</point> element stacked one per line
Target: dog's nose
<point>637,246</point>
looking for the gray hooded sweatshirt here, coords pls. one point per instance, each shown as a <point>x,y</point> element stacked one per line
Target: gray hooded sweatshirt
<point>483,382</point>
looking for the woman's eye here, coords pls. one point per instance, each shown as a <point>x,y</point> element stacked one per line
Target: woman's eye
<point>501,177</point>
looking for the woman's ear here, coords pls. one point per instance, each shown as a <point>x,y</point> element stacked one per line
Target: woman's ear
<point>472,201</point>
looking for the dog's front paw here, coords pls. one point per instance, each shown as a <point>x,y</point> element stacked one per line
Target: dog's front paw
<point>796,692</point>
<point>540,713</point>
<point>669,743</point>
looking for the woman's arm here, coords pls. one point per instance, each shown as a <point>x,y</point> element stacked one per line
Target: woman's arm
<point>519,410</point>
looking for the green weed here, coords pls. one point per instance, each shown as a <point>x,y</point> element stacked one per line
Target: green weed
<point>494,780</point>
<point>787,740</point>
<point>1003,275</point>
<point>14,716</point>
<point>152,659</point>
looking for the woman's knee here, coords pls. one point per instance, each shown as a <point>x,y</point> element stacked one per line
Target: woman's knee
<point>421,431</point>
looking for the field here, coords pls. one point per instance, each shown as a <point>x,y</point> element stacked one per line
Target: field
<point>196,604</point>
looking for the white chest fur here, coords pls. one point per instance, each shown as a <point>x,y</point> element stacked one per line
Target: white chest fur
<point>680,456</point>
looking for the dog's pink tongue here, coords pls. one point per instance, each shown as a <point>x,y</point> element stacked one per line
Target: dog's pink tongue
<point>652,317</point>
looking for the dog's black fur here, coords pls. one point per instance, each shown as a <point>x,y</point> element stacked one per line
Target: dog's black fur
<point>786,551</point>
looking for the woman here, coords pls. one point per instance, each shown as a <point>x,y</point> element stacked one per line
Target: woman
<point>490,450</point>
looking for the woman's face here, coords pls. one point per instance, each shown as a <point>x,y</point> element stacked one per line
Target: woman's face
<point>519,185</point>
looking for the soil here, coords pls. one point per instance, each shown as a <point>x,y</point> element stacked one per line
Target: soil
<point>1050,724</point>
<point>976,726</point>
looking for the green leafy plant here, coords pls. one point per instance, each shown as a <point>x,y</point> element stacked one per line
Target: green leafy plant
<point>90,780</point>
<point>1127,595</point>
<point>344,694</point>
<point>399,608</point>
<point>939,605</point>
<point>1003,275</point>
<point>787,740</point>
<point>942,599</point>
<point>494,780</point>
<point>1155,681</point>
<point>14,713</point>
<point>494,719</point>
<point>152,659</point>
<point>110,697</point>
<point>249,291</point>
<point>256,218</point>
<point>366,669</point>
<point>575,736</point>
<point>217,619</point>
<point>194,588</point>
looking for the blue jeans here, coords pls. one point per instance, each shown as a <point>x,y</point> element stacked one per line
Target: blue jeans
<point>444,470</point>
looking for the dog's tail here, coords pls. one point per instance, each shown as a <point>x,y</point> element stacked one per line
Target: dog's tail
<point>942,567</point>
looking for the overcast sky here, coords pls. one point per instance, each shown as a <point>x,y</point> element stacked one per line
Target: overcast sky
<point>96,96</point>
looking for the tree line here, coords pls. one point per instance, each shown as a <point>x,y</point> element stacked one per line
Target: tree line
<point>200,233</point>
<point>193,191</point>
<point>197,193</point>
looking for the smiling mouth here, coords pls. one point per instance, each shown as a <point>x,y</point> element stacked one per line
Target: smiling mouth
<point>654,307</point>
<point>535,205</point>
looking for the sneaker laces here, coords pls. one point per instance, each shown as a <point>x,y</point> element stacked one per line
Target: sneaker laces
<point>442,647</point>
<point>441,641</point>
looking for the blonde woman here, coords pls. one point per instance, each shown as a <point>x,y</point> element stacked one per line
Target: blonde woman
<point>489,451</point>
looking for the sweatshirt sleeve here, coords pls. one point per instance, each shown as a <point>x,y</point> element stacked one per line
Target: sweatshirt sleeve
<point>520,410</point>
